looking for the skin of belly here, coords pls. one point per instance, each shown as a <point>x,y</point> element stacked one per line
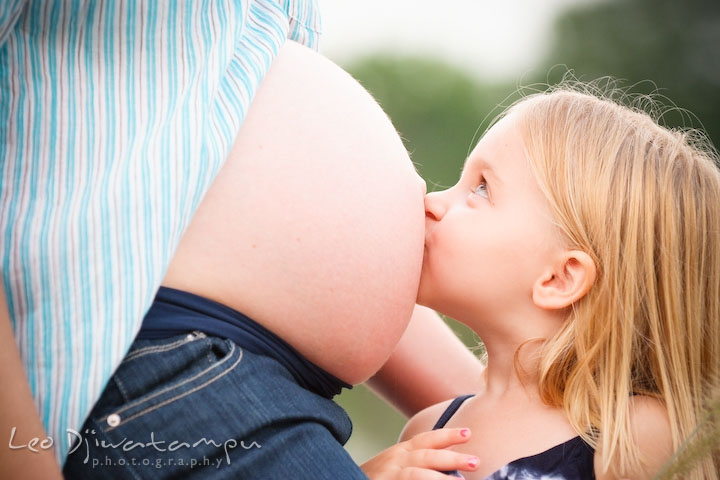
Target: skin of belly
<point>314,226</point>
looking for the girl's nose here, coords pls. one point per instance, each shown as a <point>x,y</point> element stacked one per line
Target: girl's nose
<point>435,206</point>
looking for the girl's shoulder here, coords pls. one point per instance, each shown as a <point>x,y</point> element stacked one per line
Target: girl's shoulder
<point>652,434</point>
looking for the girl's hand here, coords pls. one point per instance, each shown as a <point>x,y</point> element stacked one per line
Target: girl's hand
<point>423,457</point>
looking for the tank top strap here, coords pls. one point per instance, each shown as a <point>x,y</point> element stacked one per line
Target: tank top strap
<point>450,410</point>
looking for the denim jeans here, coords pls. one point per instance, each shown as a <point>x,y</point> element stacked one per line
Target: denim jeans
<point>196,406</point>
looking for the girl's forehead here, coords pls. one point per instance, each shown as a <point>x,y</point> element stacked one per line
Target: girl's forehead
<point>502,138</point>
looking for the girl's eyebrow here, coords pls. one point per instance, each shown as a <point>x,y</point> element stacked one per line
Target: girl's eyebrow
<point>482,165</point>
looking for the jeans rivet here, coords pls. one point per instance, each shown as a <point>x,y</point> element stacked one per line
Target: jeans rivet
<point>113,420</point>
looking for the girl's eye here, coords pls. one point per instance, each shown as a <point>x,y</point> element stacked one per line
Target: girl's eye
<point>481,189</point>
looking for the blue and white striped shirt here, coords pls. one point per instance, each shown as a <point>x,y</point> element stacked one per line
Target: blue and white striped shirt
<point>114,119</point>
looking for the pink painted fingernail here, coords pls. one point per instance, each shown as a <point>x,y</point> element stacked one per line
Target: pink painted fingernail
<point>465,432</point>
<point>473,462</point>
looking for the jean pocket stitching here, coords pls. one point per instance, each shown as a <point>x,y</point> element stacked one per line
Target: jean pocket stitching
<point>141,352</point>
<point>178,397</point>
<point>141,400</point>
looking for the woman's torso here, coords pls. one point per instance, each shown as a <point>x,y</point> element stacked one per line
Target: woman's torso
<point>314,226</point>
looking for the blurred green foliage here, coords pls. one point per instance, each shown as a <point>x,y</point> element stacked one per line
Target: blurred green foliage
<point>437,109</point>
<point>664,47</point>
<point>665,44</point>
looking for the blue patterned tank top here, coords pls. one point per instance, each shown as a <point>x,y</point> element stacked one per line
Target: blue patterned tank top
<point>571,460</point>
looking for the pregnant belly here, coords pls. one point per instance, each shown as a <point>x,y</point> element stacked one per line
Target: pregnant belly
<point>314,226</point>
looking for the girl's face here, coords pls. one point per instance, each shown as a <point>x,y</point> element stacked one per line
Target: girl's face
<point>490,237</point>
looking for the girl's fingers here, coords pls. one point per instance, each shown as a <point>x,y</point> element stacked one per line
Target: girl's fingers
<point>442,460</point>
<point>437,439</point>
<point>422,457</point>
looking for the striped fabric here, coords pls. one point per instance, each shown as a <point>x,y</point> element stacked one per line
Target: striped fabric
<point>114,118</point>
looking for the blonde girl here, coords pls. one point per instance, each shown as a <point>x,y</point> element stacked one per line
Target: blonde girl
<point>582,244</point>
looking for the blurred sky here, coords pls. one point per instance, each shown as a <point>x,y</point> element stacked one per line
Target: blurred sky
<point>496,40</point>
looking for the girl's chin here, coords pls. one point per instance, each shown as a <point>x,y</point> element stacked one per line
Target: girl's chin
<point>423,297</point>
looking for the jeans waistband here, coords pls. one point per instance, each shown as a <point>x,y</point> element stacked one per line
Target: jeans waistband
<point>174,312</point>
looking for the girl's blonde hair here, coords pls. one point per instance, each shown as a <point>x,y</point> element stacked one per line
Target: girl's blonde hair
<point>644,202</point>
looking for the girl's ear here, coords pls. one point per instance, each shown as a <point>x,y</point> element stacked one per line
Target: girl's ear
<point>565,283</point>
